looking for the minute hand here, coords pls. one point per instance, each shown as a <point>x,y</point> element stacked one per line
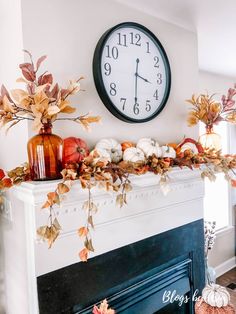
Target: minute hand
<point>136,83</point>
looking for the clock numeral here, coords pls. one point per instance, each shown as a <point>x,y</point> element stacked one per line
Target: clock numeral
<point>107,68</point>
<point>123,101</point>
<point>135,39</point>
<point>122,40</point>
<point>112,52</point>
<point>156,95</point>
<point>159,78</point>
<point>156,60</point>
<point>148,47</point>
<point>136,108</point>
<point>148,106</point>
<point>112,89</point>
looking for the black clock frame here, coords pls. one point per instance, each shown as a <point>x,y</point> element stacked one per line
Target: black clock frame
<point>97,73</point>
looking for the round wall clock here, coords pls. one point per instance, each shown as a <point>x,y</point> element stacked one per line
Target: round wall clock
<point>131,72</point>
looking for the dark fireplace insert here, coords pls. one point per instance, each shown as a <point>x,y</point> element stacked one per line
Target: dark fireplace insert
<point>160,274</point>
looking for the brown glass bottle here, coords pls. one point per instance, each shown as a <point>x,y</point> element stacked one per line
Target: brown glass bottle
<point>45,155</point>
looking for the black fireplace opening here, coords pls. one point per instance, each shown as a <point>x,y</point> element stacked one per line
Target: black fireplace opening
<point>161,274</point>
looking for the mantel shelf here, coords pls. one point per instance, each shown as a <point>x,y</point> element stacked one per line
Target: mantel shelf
<point>35,192</point>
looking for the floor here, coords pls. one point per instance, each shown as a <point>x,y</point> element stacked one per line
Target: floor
<point>225,280</point>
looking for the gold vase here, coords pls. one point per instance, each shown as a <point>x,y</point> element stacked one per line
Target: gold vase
<point>210,140</point>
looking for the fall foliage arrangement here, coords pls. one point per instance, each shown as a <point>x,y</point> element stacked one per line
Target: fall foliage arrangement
<point>209,111</point>
<point>42,101</point>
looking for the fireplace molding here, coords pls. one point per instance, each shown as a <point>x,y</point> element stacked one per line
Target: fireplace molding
<point>149,212</point>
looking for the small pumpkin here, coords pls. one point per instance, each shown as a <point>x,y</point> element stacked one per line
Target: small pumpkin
<point>216,295</point>
<point>192,145</point>
<point>112,147</point>
<point>126,145</point>
<point>150,147</point>
<point>168,152</point>
<point>133,154</point>
<point>201,307</point>
<point>74,150</point>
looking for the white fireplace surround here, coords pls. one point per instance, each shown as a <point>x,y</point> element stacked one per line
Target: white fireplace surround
<point>148,212</point>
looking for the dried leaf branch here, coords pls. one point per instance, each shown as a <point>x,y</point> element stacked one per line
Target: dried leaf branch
<point>42,101</point>
<point>206,109</point>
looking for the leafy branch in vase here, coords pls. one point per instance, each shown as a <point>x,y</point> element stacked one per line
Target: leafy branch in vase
<point>42,101</point>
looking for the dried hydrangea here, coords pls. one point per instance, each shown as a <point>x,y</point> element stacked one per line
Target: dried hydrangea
<point>210,235</point>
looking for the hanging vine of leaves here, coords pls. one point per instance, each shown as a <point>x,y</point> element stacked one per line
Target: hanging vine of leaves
<point>94,172</point>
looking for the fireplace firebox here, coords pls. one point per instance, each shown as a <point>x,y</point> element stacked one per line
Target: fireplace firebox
<point>161,274</point>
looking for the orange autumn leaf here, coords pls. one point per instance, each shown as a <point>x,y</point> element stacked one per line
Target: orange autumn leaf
<point>46,205</point>
<point>83,231</point>
<point>83,254</point>
<point>233,183</point>
<point>62,188</point>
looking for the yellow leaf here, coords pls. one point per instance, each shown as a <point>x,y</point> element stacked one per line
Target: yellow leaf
<point>7,105</point>
<point>53,110</point>
<point>62,188</point>
<point>74,87</point>
<point>19,94</point>
<point>68,109</point>
<point>56,224</point>
<point>63,103</point>
<point>41,100</point>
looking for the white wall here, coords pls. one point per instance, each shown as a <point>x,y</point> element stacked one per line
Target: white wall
<point>67,31</point>
<point>12,153</point>
<point>224,248</point>
<point>68,34</point>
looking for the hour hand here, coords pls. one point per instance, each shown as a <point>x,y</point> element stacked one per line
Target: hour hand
<point>143,78</point>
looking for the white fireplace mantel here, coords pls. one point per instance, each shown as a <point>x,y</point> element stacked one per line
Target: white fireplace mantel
<point>148,212</point>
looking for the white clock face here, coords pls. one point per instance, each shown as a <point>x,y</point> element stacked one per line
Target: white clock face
<point>135,73</point>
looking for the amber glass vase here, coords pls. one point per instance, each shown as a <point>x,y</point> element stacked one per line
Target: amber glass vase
<point>210,140</point>
<point>45,155</point>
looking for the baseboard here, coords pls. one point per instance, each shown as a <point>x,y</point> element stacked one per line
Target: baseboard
<point>226,266</point>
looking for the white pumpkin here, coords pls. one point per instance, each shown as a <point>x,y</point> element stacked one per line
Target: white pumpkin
<point>112,147</point>
<point>189,146</point>
<point>168,151</point>
<point>100,155</point>
<point>133,154</point>
<point>216,295</point>
<point>150,147</point>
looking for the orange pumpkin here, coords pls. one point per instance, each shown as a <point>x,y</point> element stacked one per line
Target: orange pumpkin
<point>75,150</point>
<point>202,307</point>
<point>126,145</point>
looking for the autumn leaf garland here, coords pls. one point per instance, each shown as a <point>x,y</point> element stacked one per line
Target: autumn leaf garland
<point>115,177</point>
<point>93,172</point>
<point>41,102</point>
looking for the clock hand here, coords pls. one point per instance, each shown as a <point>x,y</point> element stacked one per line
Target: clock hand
<point>143,79</point>
<point>136,83</point>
